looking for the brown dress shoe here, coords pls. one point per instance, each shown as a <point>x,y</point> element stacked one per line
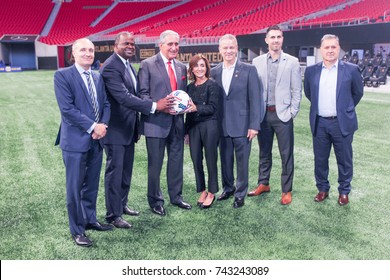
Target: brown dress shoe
<point>343,199</point>
<point>259,190</point>
<point>286,198</point>
<point>321,196</point>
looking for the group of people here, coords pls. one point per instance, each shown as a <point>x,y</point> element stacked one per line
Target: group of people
<point>230,105</point>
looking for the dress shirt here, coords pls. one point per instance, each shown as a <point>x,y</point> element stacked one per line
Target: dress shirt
<point>272,71</point>
<point>166,64</point>
<point>132,75</point>
<point>227,76</point>
<point>327,91</point>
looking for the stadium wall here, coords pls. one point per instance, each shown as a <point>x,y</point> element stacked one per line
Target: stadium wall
<point>352,37</point>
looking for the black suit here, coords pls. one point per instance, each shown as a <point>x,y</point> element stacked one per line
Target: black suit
<point>241,110</point>
<point>122,133</point>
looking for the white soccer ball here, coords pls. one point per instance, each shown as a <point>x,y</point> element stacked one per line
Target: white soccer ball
<point>181,101</point>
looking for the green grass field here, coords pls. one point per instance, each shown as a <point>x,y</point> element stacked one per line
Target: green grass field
<point>33,216</point>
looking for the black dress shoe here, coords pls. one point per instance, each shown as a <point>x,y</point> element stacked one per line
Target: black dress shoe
<point>225,195</point>
<point>159,210</point>
<point>120,223</point>
<point>98,226</point>
<point>183,205</point>
<point>81,240</point>
<point>130,212</point>
<point>238,202</point>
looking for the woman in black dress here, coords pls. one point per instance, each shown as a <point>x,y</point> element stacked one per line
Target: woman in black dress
<point>203,128</point>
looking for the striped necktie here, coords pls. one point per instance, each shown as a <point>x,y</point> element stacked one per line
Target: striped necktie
<point>132,75</point>
<point>92,95</point>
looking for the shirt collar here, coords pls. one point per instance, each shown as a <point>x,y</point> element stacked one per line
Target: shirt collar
<point>270,57</point>
<point>233,66</point>
<point>336,65</point>
<point>121,58</point>
<point>81,69</point>
<point>165,59</point>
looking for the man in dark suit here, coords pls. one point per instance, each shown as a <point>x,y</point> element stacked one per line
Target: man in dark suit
<point>158,76</point>
<point>334,88</point>
<point>121,86</point>
<point>85,113</point>
<point>281,77</point>
<point>242,113</point>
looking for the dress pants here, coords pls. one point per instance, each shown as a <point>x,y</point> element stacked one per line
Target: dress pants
<point>174,144</point>
<point>284,131</point>
<point>239,147</point>
<point>328,133</point>
<point>82,185</point>
<point>117,179</point>
<point>205,135</point>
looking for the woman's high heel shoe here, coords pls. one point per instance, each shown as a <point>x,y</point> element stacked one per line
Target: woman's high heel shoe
<point>209,201</point>
<point>202,198</point>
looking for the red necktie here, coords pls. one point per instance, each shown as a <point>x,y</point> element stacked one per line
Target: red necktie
<point>172,78</point>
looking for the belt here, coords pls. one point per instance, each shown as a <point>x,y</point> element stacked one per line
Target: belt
<point>271,108</point>
<point>329,118</point>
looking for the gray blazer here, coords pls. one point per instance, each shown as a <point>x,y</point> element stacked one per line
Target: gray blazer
<point>288,90</point>
<point>154,85</point>
<point>241,106</point>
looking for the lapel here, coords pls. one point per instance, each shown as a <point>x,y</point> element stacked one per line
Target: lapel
<point>163,71</point>
<point>178,74</point>
<point>340,75</point>
<point>76,77</point>
<point>317,75</point>
<point>281,66</point>
<point>236,76</point>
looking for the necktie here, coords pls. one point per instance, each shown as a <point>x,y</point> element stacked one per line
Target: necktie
<point>132,75</point>
<point>92,95</point>
<point>172,78</point>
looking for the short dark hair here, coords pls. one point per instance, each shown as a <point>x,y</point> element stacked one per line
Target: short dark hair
<point>118,36</point>
<point>273,27</point>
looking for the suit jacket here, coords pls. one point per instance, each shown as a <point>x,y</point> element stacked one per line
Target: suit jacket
<point>288,89</point>
<point>349,91</point>
<point>77,114</point>
<point>125,105</point>
<point>154,85</point>
<point>242,108</point>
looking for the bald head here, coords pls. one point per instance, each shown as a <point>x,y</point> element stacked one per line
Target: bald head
<point>83,51</point>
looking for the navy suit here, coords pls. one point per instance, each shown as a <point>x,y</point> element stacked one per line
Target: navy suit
<point>162,130</point>
<point>81,154</point>
<point>337,131</point>
<point>241,109</point>
<point>122,133</point>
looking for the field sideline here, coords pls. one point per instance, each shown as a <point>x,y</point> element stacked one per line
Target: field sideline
<point>33,217</point>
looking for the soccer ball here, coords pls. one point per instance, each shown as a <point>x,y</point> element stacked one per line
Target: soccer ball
<point>181,101</point>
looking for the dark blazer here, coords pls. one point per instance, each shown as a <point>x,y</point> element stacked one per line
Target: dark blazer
<point>242,106</point>
<point>349,92</point>
<point>75,104</point>
<point>206,98</point>
<point>154,85</point>
<point>125,105</point>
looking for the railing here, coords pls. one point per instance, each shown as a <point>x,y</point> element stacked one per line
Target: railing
<point>142,40</point>
<point>331,23</point>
